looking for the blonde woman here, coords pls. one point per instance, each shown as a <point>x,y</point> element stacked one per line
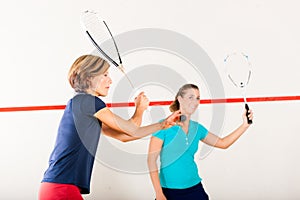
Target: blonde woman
<point>178,178</point>
<point>85,118</point>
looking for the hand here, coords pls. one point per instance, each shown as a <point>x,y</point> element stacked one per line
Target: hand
<point>141,102</point>
<point>250,115</point>
<point>160,196</point>
<point>181,120</point>
<point>171,120</point>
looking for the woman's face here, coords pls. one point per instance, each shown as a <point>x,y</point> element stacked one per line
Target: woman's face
<point>100,84</point>
<point>190,101</point>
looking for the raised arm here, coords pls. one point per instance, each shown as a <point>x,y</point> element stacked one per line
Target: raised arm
<point>225,142</point>
<point>141,104</point>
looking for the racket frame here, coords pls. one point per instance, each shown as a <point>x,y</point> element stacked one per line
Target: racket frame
<point>97,46</point>
<point>243,85</point>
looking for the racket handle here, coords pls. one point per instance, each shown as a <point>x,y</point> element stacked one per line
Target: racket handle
<point>182,118</point>
<point>247,109</point>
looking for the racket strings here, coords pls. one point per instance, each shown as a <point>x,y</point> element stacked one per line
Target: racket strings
<point>114,42</point>
<point>238,69</point>
<point>101,35</point>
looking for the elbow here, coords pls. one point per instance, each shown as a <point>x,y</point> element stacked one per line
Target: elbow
<point>151,163</point>
<point>149,160</point>
<point>223,144</point>
<point>132,134</point>
<point>151,166</point>
<point>124,140</point>
<point>225,147</point>
<point>127,138</point>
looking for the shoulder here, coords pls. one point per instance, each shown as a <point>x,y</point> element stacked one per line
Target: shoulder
<point>196,124</point>
<point>86,97</point>
<point>199,128</point>
<point>87,103</point>
<point>166,133</point>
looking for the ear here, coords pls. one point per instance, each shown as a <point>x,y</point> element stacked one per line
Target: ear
<point>180,99</point>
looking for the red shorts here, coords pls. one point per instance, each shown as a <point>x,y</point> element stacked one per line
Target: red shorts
<point>57,191</point>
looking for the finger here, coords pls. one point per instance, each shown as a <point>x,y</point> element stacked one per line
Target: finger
<point>178,112</point>
<point>246,113</point>
<point>141,93</point>
<point>179,123</point>
<point>145,100</point>
<point>176,116</point>
<point>250,116</point>
<point>250,113</point>
<point>172,123</point>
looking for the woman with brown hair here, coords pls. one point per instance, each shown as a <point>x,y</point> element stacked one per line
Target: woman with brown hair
<point>178,178</point>
<point>85,117</point>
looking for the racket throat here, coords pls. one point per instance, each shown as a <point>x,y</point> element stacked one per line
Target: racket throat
<point>122,69</point>
<point>245,100</point>
<point>243,91</point>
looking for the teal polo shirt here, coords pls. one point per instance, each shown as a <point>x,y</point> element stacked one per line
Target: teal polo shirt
<point>178,169</point>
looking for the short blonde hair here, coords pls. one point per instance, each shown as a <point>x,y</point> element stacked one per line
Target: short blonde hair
<point>175,104</point>
<point>84,69</point>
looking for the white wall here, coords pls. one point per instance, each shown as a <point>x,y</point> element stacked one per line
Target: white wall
<point>40,40</point>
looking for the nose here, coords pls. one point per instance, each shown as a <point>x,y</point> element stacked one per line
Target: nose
<point>196,101</point>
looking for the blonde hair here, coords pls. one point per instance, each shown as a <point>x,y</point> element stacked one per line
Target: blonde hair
<point>181,92</point>
<point>84,69</point>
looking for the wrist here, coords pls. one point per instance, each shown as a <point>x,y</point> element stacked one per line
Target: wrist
<point>140,110</point>
<point>137,117</point>
<point>158,191</point>
<point>245,125</point>
<point>162,124</point>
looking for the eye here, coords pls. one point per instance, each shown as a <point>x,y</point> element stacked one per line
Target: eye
<point>198,98</point>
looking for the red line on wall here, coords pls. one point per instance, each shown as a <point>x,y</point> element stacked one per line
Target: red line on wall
<point>32,108</point>
<point>158,103</point>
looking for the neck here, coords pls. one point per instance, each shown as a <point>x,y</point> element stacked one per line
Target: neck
<point>91,92</point>
<point>185,123</point>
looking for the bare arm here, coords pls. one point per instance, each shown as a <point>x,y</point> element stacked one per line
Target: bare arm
<point>119,135</point>
<point>141,103</point>
<point>154,151</point>
<point>223,143</point>
<point>128,130</point>
<point>117,123</point>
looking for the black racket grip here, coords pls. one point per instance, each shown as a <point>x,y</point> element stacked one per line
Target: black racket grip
<point>182,118</point>
<point>247,109</point>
